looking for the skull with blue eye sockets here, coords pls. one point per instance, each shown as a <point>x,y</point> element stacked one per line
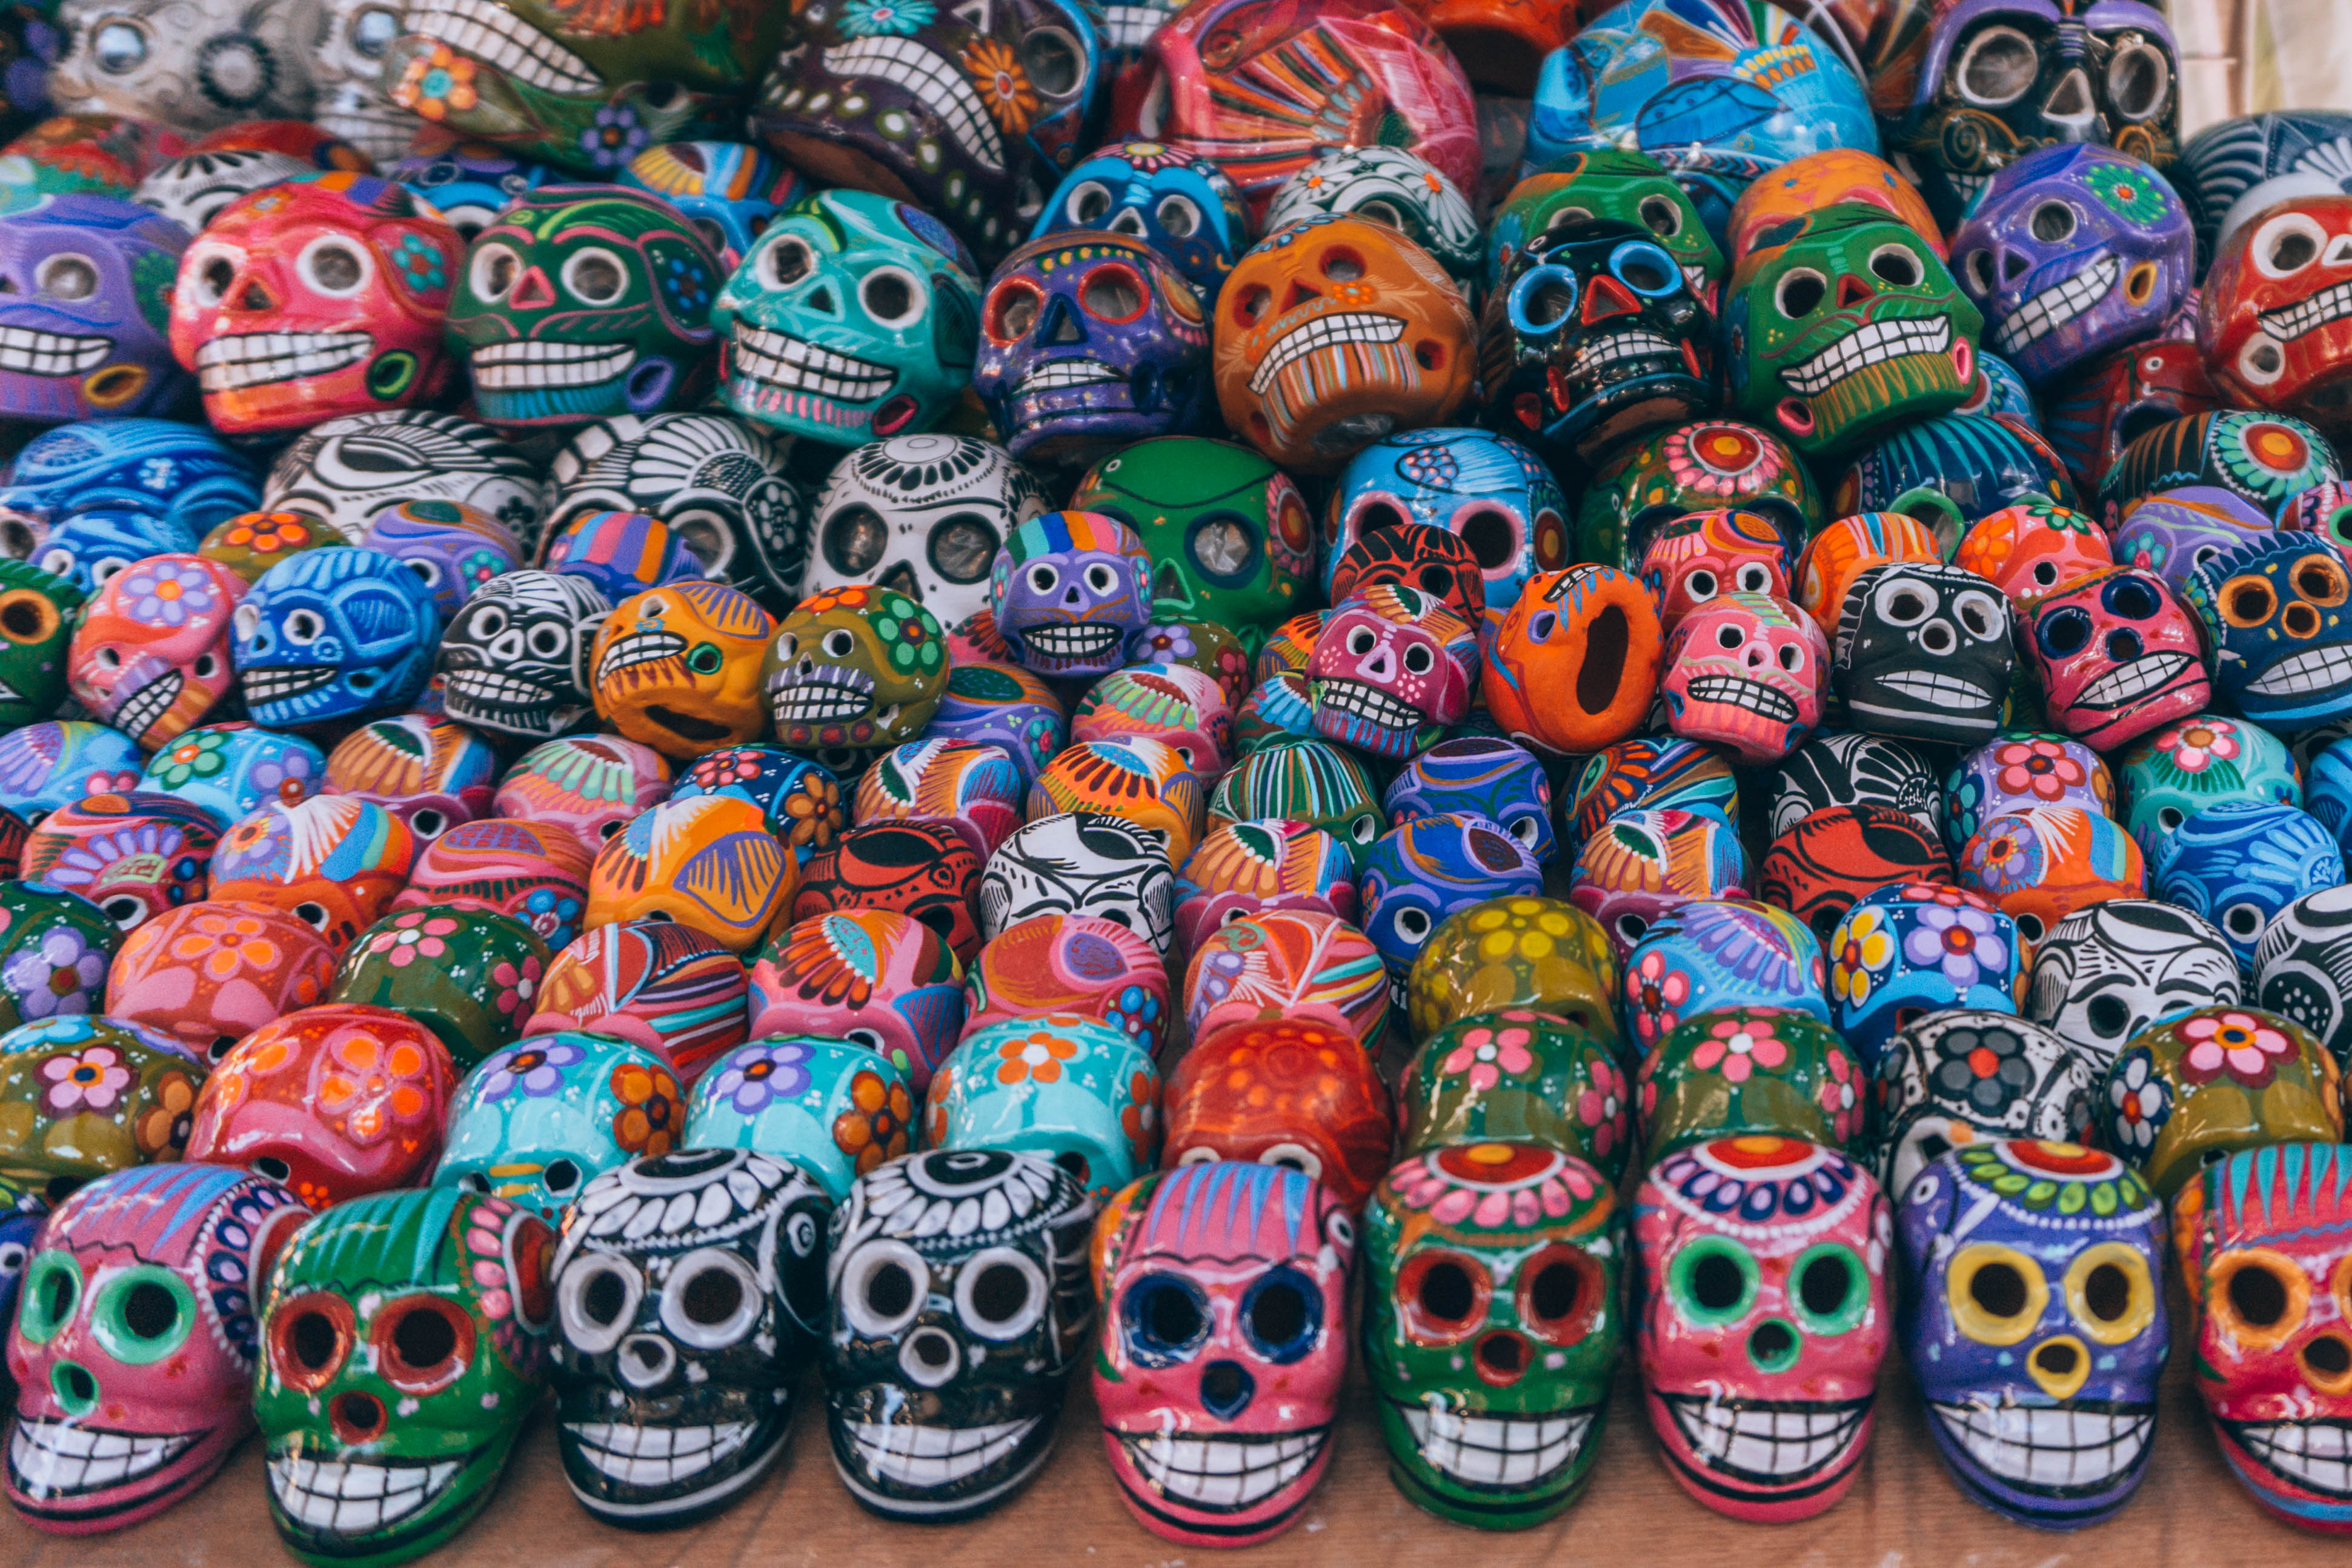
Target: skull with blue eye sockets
<point>1178,203</point>
<point>333,634</point>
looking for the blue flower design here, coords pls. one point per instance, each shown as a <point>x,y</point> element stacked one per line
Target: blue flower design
<point>535,1067</point>
<point>615,137</point>
<point>757,1075</point>
<point>894,18</point>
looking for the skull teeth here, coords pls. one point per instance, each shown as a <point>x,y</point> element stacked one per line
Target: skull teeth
<point>1513,1451</point>
<point>819,693</point>
<point>1369,704</point>
<point>1131,26</point>
<point>1873,342</point>
<point>2320,670</point>
<point>1066,639</point>
<point>132,708</point>
<point>655,1456</point>
<point>934,1457</point>
<point>2327,305</point>
<point>277,682</point>
<point>507,367</point>
<point>2051,1449</point>
<point>778,359</point>
<point>1220,1475</point>
<point>903,62</point>
<point>1767,1441</point>
<point>497,38</point>
<point>1741,692</point>
<point>2149,672</point>
<point>60,1459</point>
<point>31,352</point>
<point>350,1497</point>
<point>2315,1456</point>
<point>253,359</point>
<point>1058,376</point>
<point>1611,348</point>
<point>1937,689</point>
<point>2060,303</point>
<point>1323,331</point>
<point>639,648</point>
<point>492,691</point>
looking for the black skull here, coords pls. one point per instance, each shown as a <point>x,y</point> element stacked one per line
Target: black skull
<point>516,656</point>
<point>1923,651</point>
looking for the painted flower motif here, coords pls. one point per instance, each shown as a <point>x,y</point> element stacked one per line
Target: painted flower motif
<point>290,775</point>
<point>890,18</point>
<point>1139,1117</point>
<point>535,1068</point>
<point>1960,940</point>
<point>2009,860</point>
<point>1487,1053</point>
<point>1037,1058</point>
<point>757,1075</point>
<point>614,138</point>
<point>1434,465</point>
<point>2039,768</point>
<point>161,1130</point>
<point>420,265</point>
<point>197,755</point>
<point>1840,1096</point>
<point>2239,1044</point>
<point>2134,196</point>
<point>1004,86</point>
<point>1865,947</point>
<point>437,84</point>
<point>1600,1107</point>
<point>90,1079</point>
<point>1985,1067</point>
<point>717,770</point>
<point>650,1114</point>
<point>1724,460</point>
<point>59,975</point>
<point>372,1084</point>
<point>166,592</point>
<point>874,1128</point>
<point>2139,1102</point>
<point>517,985</point>
<point>1657,993</point>
<point>413,936</point>
<point>2195,746</point>
<point>1169,643</point>
<point>1738,1047</point>
<point>2268,456</point>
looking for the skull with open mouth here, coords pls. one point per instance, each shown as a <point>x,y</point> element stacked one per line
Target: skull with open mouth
<point>84,323</point>
<point>679,668</point>
<point>1391,670</point>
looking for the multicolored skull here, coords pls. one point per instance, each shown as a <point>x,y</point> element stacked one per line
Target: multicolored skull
<point>1912,948</point>
<point>730,190</point>
<point>1710,954</point>
<point>2277,629</point>
<point>1487,490</point>
<point>1822,865</point>
<point>211,974</point>
<point>454,549</point>
<point>150,654</point>
<point>1649,859</point>
<point>832,1109</point>
<point>2180,771</point>
<point>1746,671</point>
<point>2105,974</point>
<point>467,975</point>
<point>90,284</point>
<point>590,786</point>
<point>2263,458</point>
<point>1399,188</point>
<point>679,668</point>
<point>711,862</point>
<point>875,977</point>
<point>2114,400</point>
<point>2238,863</point>
<point>537,872</point>
<point>922,516</point>
<point>134,856</point>
<point>533,1123</point>
<point>1591,631</point>
<point>1614,184</point>
<point>1393,668</point>
<point>2117,655</point>
<point>924,868</point>
<point>1964,1077</point>
<point>857,668</point>
<point>1543,955</point>
<point>1178,203</point>
<point>330,635</point>
<point>1066,590</point>
<point>1485,778</point>
<point>1837,174</point>
<point>1418,874</point>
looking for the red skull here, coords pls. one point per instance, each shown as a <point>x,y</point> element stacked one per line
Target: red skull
<point>2275,323</point>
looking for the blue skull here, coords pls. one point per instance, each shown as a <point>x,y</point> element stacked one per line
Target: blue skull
<point>802,801</point>
<point>1178,203</point>
<point>2276,613</point>
<point>257,767</point>
<point>728,191</point>
<point>1478,776</point>
<point>469,183</point>
<point>2240,863</point>
<point>88,547</point>
<point>332,635</point>
<point>2034,1320</point>
<point>1730,953</point>
<point>1417,875</point>
<point>1487,487</point>
<point>1952,471</point>
<point>2000,390</point>
<point>151,465</point>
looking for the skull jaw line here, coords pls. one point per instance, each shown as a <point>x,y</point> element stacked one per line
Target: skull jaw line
<point>2296,1496</point>
<point>2066,1506</point>
<point>420,1527</point>
<point>1294,1494</point>
<point>179,1464</point>
<point>1032,1444</point>
<point>1847,1440</point>
<point>1491,1504</point>
<point>636,1507</point>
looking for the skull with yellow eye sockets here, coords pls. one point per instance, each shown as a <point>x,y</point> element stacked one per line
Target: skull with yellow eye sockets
<point>679,668</point>
<point>2276,619</point>
<point>2039,1327</point>
<point>33,610</point>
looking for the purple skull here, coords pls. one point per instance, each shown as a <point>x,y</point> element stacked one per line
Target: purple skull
<point>2070,252</point>
<point>90,279</point>
<point>1090,342</point>
<point>2173,533</point>
<point>453,548</point>
<point>1067,589</point>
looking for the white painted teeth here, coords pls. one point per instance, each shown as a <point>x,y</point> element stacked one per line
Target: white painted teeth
<point>1070,640</point>
<point>492,688</point>
<point>1497,1450</point>
<point>496,37</point>
<point>2125,681</point>
<point>2058,304</point>
<point>1631,343</point>
<point>782,359</point>
<point>1130,26</point>
<point>1929,686</point>
<point>1062,374</point>
<point>2049,1446</point>
<point>904,63</point>
<point>932,1457</point>
<point>2327,305</point>
<point>57,1459</point>
<point>1753,695</point>
<point>506,367</point>
<point>1369,704</point>
<point>32,352</point>
<point>821,692</point>
<point>636,649</point>
<point>1220,1474</point>
<point>2315,1455</point>
<point>354,1497</point>
<point>135,708</point>
<point>252,359</point>
<point>1769,1443</point>
<point>273,683</point>
<point>1322,332</point>
<point>655,1456</point>
<point>2321,669</point>
<point>1873,342</point>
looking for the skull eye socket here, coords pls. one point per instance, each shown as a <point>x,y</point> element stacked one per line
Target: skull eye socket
<point>1492,534</point>
<point>2052,223</point>
<point>371,32</point>
<point>1101,579</point>
<point>2247,601</point>
<point>892,296</point>
<point>883,1286</point>
<point>1978,614</point>
<point>855,539</point>
<point>2260,1297</point>
<point>1413,924</point>
<point>1419,660</point>
<point>1252,305</point>
<point>1179,216</point>
<point>595,276</point>
<point>1700,585</point>
<point>1645,269</point>
<point>1000,1293</point>
<point>491,274</point>
<point>1055,64</point>
<point>1163,1318</point>
<point>1996,68</point>
<point>711,1298</point>
<point>1562,1293</point>
<point>1342,266</point>
<point>2139,78</point>
<point>304,627</point>
<point>1293,1157</point>
<point>2134,598</point>
<point>1112,293</point>
<point>119,47</point>
<point>334,266</point>
<point>1361,641</point>
<point>1896,264</point>
<point>2110,1293</point>
<point>1830,1289</point>
<point>52,1290</point>
<point>1442,1296</point>
<point>1790,656</point>
<point>1799,293</point>
<point>961,549</point>
<point>1282,1315</point>
<point>1995,1293</point>
<point>1728,636</point>
<point>786,262</point>
<point>596,1300</point>
<point>2063,632</point>
<point>1087,202</point>
<point>1661,217</point>
<point>1223,546</point>
<point>2320,580</point>
<point>1976,271</point>
<point>310,1336</point>
<point>27,617</point>
<point>1543,300</point>
<point>1713,1281</point>
<point>839,642</point>
<point>2287,243</point>
<point>1044,579</point>
<point>1541,626</point>
<point>67,276</point>
<point>548,641</point>
<point>209,278</point>
<point>1754,577</point>
<point>421,1343</point>
<point>1012,310</point>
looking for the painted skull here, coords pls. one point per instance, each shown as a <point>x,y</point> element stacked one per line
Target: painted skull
<point>1080,863</point>
<point>952,1345</point>
<point>2033,547</point>
<point>1067,589</point>
<point>584,301</point>
<point>2262,459</point>
<point>86,314</point>
<point>922,516</point>
<point>731,192</point>
<point>432,774</point>
<point>690,1300</point>
<point>37,623</point>
<point>150,657</point>
<point>853,317</point>
<point>1965,1076</point>
<point>138,1337</point>
<point>451,547</point>
<point>2277,632</point>
<point>923,868</point>
<point>1749,672</point>
<point>2105,406</point>
<point>320,296</point>
<point>875,977</point>
<point>1417,875</point>
<point>855,668</point>
<point>1847,326</point>
<point>1614,184</point>
<point>434,1304</point>
<point>1485,489</point>
<point>1399,188</point>
<point>1593,337</point>
<point>1923,650</point>
<point>1694,558</point>
<point>347,470</point>
<point>2071,251</point>
<point>1223,1292</point>
<point>1492,1322</point>
<point>192,191</point>
<point>710,862</point>
<point>588,787</point>
<point>469,183</point>
<point>2037,1326</point>
<point>332,635</point>
<point>2272,321</point>
<point>1694,467</point>
<point>1392,669</point>
<point>184,63</point>
<point>679,668</point>
<point>2116,657</point>
<point>1591,631</point>
<point>1485,778</point>
<point>347,65</point>
<point>2238,863</point>
<point>515,659</point>
<point>134,856</point>
<point>1090,342</point>
<point>1178,203</point>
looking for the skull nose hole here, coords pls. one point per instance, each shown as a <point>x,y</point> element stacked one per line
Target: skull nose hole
<point>1502,1358</point>
<point>2123,647</point>
<point>645,1359</point>
<point>2060,1366</point>
<point>358,1416</point>
<point>75,1388</point>
<point>2057,1360</point>
<point>2300,620</point>
<point>2328,1359</point>
<point>928,1356</point>
<point>1772,1345</point>
<point>1225,1390</point>
<point>1935,638</point>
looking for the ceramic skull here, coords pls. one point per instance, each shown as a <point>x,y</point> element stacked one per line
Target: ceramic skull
<point>1964,1076</point>
<point>84,321</point>
<point>857,668</point>
<point>348,470</point>
<point>1392,669</point>
<point>2271,318</point>
<point>922,516</point>
<point>1177,202</point>
<point>2117,655</point>
<point>1067,589</point>
<point>333,634</point>
<point>732,191</point>
<point>515,659</point>
<point>957,1307</point>
<point>185,63</point>
<point>1223,1292</point>
<point>2277,631</point>
<point>346,63</point>
<point>1746,671</point>
<point>150,657</point>
<point>2104,975</point>
<point>1487,490</point>
<point>689,1299</point>
<point>1923,650</point>
<point>193,190</point>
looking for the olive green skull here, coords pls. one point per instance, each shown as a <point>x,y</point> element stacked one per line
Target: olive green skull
<point>35,609</point>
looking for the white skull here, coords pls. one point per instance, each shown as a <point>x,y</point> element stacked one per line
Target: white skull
<point>923,515</point>
<point>348,65</point>
<point>190,190</point>
<point>348,470</point>
<point>192,64</point>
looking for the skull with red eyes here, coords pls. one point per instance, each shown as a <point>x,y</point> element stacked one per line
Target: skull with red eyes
<point>1749,672</point>
<point>2276,321</point>
<point>1392,669</point>
<point>1691,560</point>
<point>314,299</point>
<point>2117,656</point>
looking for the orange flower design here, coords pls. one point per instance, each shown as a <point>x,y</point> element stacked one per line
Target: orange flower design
<point>935,1110</point>
<point>650,1114</point>
<point>1002,85</point>
<point>226,945</point>
<point>875,1127</point>
<point>371,1085</point>
<point>162,1128</point>
<point>1139,1117</point>
<point>1037,1059</point>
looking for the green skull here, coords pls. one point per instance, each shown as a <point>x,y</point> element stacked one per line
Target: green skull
<point>1309,781</point>
<point>1708,465</point>
<point>1493,1319</point>
<point>1231,538</point>
<point>467,975</point>
<point>37,611</point>
<point>1519,1075</point>
<point>1750,1071</point>
<point>404,1346</point>
<point>1608,183</point>
<point>1847,326</point>
<point>587,87</point>
<point>582,302</point>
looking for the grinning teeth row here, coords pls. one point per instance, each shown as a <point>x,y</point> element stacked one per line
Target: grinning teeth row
<point>2058,304</point>
<point>1067,373</point>
<point>638,647</point>
<point>2329,304</point>
<point>934,1456</point>
<point>539,351</point>
<point>2316,1455</point>
<point>350,1499</point>
<point>1487,1450</point>
<point>1130,26</point>
<point>656,1456</point>
<point>496,36</point>
<point>252,359</point>
<point>790,361</point>
<point>507,367</point>
<point>1222,1473</point>
<point>58,1459</point>
<point>32,352</point>
<point>271,683</point>
<point>1631,343</point>
<point>2127,681</point>
<point>1766,1441</point>
<point>493,687</point>
<point>2321,669</point>
<point>2049,1446</point>
<point>1322,332</point>
<point>902,62</point>
<point>1359,700</point>
<point>1929,687</point>
<point>1742,692</point>
<point>1068,639</point>
<point>1873,342</point>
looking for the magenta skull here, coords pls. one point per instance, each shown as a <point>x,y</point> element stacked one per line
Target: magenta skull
<point>2117,656</point>
<point>1746,671</point>
<point>1392,667</point>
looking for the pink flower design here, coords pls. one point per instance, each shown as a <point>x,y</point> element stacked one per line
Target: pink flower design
<point>2039,768</point>
<point>1600,1107</point>
<point>1741,1046</point>
<point>92,1080</point>
<point>2236,1043</point>
<point>516,986</point>
<point>2199,743</point>
<point>1486,1054</point>
<point>1842,1096</point>
<point>413,936</point>
<point>1658,994</point>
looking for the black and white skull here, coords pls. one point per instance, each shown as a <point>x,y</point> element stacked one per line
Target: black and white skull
<point>353,38</point>
<point>1970,1075</point>
<point>1924,651</point>
<point>2302,966</point>
<point>1081,863</point>
<point>689,1295</point>
<point>958,1307</point>
<point>1855,770</point>
<point>2106,972</point>
<point>718,481</point>
<point>347,470</point>
<point>923,515</point>
<point>190,190</point>
<point>192,64</point>
<point>515,658</point>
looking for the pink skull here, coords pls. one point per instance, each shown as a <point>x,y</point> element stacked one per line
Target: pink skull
<point>876,978</point>
<point>133,1352</point>
<point>1224,1340</point>
<point>1695,559</point>
<point>1392,667</point>
<point>1749,672</point>
<point>2118,656</point>
<point>152,655</point>
<point>1764,1319</point>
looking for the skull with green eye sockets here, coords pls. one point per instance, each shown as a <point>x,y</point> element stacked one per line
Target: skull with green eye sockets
<point>1492,1325</point>
<point>402,1349</point>
<point>583,301</point>
<point>923,516</point>
<point>855,317</point>
<point>1849,326</point>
